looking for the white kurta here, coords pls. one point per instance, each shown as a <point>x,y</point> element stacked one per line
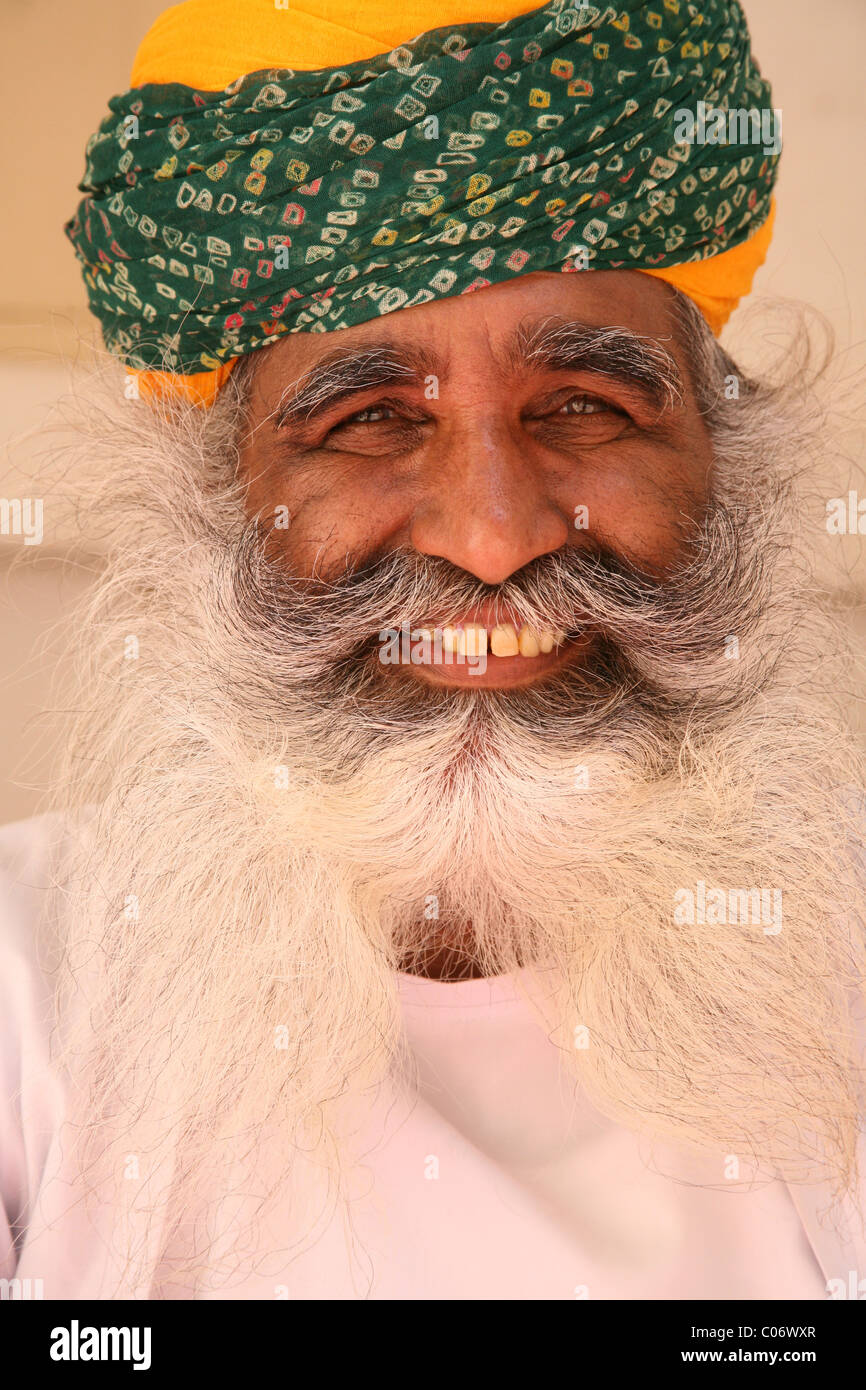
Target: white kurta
<point>497,1180</point>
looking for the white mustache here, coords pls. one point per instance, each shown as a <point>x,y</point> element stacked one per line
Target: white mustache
<point>665,635</point>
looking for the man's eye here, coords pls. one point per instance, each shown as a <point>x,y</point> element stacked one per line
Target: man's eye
<point>370,415</point>
<point>585,405</point>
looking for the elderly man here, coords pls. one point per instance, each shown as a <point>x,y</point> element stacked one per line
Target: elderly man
<point>456,888</point>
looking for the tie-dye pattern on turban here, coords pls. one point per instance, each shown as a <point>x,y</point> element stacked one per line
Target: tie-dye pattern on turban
<point>215,221</point>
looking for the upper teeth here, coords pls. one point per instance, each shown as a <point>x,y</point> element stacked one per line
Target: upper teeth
<point>504,640</point>
<point>471,639</point>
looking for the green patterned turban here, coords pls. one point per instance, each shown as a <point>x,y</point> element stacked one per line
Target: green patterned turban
<point>213,222</point>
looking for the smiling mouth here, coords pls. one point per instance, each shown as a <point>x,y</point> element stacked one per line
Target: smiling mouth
<point>470,654</point>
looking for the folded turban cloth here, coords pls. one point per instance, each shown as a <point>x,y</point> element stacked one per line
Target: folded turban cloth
<point>274,169</point>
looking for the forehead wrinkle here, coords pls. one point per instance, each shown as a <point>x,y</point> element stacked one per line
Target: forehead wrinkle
<point>564,344</point>
<point>343,371</point>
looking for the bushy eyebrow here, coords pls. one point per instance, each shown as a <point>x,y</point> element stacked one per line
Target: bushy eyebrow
<point>562,345</point>
<point>552,344</point>
<point>345,372</point>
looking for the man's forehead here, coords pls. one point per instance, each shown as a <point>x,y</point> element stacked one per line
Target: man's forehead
<point>495,318</point>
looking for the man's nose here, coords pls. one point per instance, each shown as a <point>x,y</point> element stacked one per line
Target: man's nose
<point>486,508</point>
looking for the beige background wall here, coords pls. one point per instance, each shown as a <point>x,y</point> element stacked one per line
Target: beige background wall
<point>59,62</point>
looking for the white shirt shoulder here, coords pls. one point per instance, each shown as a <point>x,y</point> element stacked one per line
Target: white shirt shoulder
<point>31,1102</point>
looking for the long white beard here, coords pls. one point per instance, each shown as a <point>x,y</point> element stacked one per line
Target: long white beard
<point>269,842</point>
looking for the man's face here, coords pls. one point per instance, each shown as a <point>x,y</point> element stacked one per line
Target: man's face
<point>488,430</point>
